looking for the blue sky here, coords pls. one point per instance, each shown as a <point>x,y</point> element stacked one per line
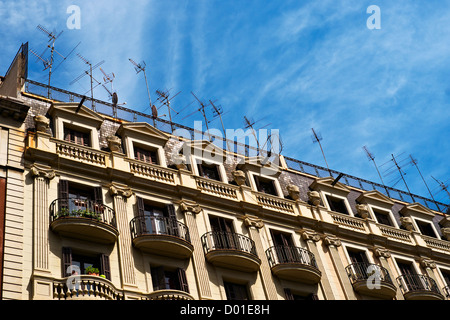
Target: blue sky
<point>294,64</point>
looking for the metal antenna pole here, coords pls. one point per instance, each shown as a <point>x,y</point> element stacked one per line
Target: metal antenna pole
<point>372,158</point>
<point>414,162</point>
<point>317,139</point>
<point>401,174</point>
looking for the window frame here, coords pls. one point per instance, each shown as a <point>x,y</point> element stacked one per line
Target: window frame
<point>344,199</point>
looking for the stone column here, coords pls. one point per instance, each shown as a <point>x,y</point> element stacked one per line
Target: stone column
<point>254,224</point>
<point>42,177</point>
<point>190,211</point>
<point>311,238</point>
<point>120,195</point>
<point>383,254</point>
<point>333,243</point>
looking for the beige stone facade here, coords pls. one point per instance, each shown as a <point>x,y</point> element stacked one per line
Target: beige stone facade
<point>85,189</point>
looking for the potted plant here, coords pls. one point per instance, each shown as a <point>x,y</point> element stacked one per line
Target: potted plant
<point>92,271</point>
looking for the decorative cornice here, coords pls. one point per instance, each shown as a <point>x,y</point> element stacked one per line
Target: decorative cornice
<point>116,190</point>
<point>37,171</point>
<point>331,240</point>
<point>252,221</point>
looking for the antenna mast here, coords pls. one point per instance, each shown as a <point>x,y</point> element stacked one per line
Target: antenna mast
<point>414,162</point>
<point>89,73</point>
<point>316,139</point>
<point>141,67</point>
<point>442,185</point>
<point>371,157</point>
<point>401,174</point>
<point>48,63</point>
<point>163,97</point>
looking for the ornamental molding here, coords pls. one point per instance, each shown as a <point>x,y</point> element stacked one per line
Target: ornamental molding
<point>38,171</point>
<point>381,252</point>
<point>427,263</point>
<point>190,207</point>
<point>117,190</point>
<point>252,221</point>
<point>331,240</point>
<point>309,235</point>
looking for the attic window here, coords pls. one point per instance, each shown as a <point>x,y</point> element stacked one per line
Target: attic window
<point>146,155</point>
<point>77,136</point>
<point>337,204</point>
<point>382,217</point>
<point>426,228</point>
<point>210,171</point>
<point>265,185</point>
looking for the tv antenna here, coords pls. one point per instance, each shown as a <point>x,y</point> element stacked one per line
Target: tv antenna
<point>141,67</point>
<point>201,109</point>
<point>414,162</point>
<point>316,138</point>
<point>443,186</point>
<point>164,98</point>
<point>371,157</point>
<point>250,124</point>
<point>398,165</point>
<point>48,62</point>
<point>89,73</point>
<point>217,113</point>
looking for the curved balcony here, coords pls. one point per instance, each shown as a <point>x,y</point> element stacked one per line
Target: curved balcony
<point>83,219</point>
<point>293,263</point>
<point>170,294</point>
<point>85,287</point>
<point>419,287</point>
<point>161,235</point>
<point>230,250</point>
<point>371,280</point>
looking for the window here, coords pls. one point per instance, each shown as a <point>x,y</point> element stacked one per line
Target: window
<point>76,136</point>
<point>337,204</point>
<point>265,185</point>
<point>210,171</point>
<point>73,261</point>
<point>236,291</point>
<point>157,219</point>
<point>426,228</point>
<point>357,256</point>
<point>165,278</point>
<point>382,217</point>
<point>289,295</point>
<point>74,197</point>
<point>150,156</point>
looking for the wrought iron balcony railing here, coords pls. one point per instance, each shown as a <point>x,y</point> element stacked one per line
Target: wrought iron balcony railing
<point>417,282</point>
<point>216,240</point>
<point>290,254</point>
<point>151,225</point>
<point>363,271</point>
<point>82,208</point>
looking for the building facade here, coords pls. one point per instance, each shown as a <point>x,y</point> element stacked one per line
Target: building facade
<point>93,206</point>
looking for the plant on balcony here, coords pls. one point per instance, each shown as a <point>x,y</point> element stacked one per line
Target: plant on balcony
<point>92,271</point>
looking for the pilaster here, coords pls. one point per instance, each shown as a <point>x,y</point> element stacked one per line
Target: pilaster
<point>254,224</point>
<point>383,254</point>
<point>190,211</point>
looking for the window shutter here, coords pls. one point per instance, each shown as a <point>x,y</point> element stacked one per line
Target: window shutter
<point>200,169</point>
<point>169,211</point>
<point>98,195</point>
<point>158,278</point>
<point>63,194</point>
<point>288,294</point>
<point>141,226</point>
<point>66,261</point>
<point>140,206</point>
<point>104,266</point>
<point>183,280</point>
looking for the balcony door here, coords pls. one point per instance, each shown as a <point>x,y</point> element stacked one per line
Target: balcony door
<point>410,280</point>
<point>284,247</point>
<point>157,219</point>
<point>223,233</point>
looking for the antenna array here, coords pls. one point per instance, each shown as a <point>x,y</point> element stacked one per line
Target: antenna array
<point>317,137</point>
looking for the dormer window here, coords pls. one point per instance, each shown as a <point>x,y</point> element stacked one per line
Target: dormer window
<point>337,204</point>
<point>210,171</point>
<point>383,217</point>
<point>425,228</point>
<point>265,185</point>
<point>146,155</point>
<point>76,136</point>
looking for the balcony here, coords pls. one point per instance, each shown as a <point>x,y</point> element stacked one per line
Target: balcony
<point>293,263</point>
<point>161,235</point>
<point>85,287</point>
<point>371,280</point>
<point>83,219</point>
<point>230,250</point>
<point>419,287</point>
<point>170,294</point>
